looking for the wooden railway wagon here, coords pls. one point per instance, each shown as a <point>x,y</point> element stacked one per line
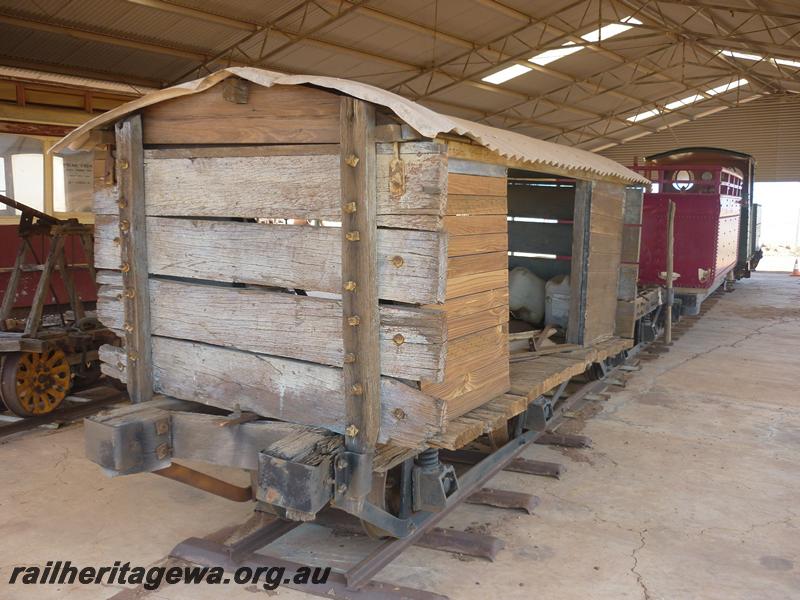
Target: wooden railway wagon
<point>309,279</point>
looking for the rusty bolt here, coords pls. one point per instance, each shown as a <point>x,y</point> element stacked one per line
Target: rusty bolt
<point>350,207</point>
<point>357,389</point>
<point>349,358</point>
<point>399,414</point>
<point>398,261</point>
<point>129,293</point>
<point>128,327</point>
<point>124,225</point>
<point>351,160</point>
<point>124,267</point>
<point>121,365</point>
<point>123,164</point>
<point>354,321</point>
<point>341,463</point>
<point>399,339</point>
<point>352,236</point>
<point>162,427</point>
<point>162,451</point>
<point>116,241</point>
<point>133,356</point>
<point>351,431</point>
<point>350,286</point>
<point>122,203</point>
<point>342,488</point>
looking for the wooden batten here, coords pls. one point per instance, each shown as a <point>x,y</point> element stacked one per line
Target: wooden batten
<point>411,264</point>
<point>412,340</point>
<point>279,388</point>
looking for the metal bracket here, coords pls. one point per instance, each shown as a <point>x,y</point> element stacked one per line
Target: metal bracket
<point>539,412</point>
<point>432,486</point>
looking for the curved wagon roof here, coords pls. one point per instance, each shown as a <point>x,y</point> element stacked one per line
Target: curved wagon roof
<point>513,146</point>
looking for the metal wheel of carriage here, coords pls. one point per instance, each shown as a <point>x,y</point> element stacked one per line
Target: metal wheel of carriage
<point>385,494</point>
<point>34,383</point>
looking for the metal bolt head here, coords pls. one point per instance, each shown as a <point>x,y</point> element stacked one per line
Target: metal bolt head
<point>124,225</point>
<point>399,414</point>
<point>162,451</point>
<point>342,488</point>
<point>350,286</point>
<point>351,160</point>
<point>398,261</point>
<point>357,389</point>
<point>399,339</point>
<point>350,207</point>
<point>352,236</point>
<point>124,267</point>
<point>351,431</point>
<point>123,164</point>
<point>349,358</point>
<point>128,327</point>
<point>133,356</point>
<point>354,321</point>
<point>341,463</point>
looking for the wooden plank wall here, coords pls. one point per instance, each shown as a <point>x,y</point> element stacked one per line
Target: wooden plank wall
<point>220,266</point>
<point>629,266</point>
<point>476,366</point>
<point>604,255</point>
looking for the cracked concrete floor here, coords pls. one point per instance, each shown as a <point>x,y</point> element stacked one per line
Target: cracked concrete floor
<point>690,490</point>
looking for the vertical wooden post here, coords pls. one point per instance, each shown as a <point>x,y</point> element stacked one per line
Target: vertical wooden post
<point>360,277</point>
<point>579,269</point>
<point>669,273</point>
<point>13,282</point>
<point>44,285</point>
<point>133,250</point>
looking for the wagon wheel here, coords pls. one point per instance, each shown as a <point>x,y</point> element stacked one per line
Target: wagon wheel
<point>385,494</point>
<point>33,383</point>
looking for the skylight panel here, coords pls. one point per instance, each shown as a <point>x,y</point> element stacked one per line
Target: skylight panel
<point>743,55</point>
<point>506,74</point>
<point>549,56</point>
<point>726,88</point>
<point>787,63</point>
<point>684,102</point>
<point>643,116</point>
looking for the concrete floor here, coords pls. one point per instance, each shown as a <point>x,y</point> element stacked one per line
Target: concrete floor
<point>690,490</point>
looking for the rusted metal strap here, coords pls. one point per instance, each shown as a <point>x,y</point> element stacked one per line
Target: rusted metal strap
<point>207,483</point>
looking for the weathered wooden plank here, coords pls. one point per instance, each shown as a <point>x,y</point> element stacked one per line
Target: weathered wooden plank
<point>473,283</point>
<point>424,180</point>
<point>476,185</point>
<point>289,114</point>
<point>579,262</point>
<point>360,322</point>
<point>280,388</point>
<point>467,204</point>
<point>459,266</point>
<point>475,224</point>
<point>133,256</point>
<point>411,264</point>
<point>105,201</point>
<point>631,240</point>
<point>301,182</point>
<point>471,167</point>
<point>460,245</point>
<point>412,340</point>
<point>475,312</point>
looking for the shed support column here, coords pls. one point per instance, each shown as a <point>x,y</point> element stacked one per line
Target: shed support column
<point>360,320</point>
<point>133,251</point>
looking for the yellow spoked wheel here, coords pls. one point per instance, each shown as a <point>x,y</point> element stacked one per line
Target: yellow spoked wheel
<point>33,383</point>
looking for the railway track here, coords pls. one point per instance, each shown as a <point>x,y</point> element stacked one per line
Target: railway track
<point>74,407</point>
<point>243,547</point>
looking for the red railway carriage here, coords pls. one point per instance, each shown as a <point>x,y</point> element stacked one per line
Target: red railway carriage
<point>708,188</point>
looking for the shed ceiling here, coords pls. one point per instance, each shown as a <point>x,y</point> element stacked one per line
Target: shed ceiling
<point>677,60</point>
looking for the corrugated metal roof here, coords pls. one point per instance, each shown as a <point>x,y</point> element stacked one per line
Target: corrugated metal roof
<point>768,129</point>
<point>429,123</point>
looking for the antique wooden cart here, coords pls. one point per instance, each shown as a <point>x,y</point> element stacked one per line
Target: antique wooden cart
<point>321,267</point>
<point>43,356</point>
